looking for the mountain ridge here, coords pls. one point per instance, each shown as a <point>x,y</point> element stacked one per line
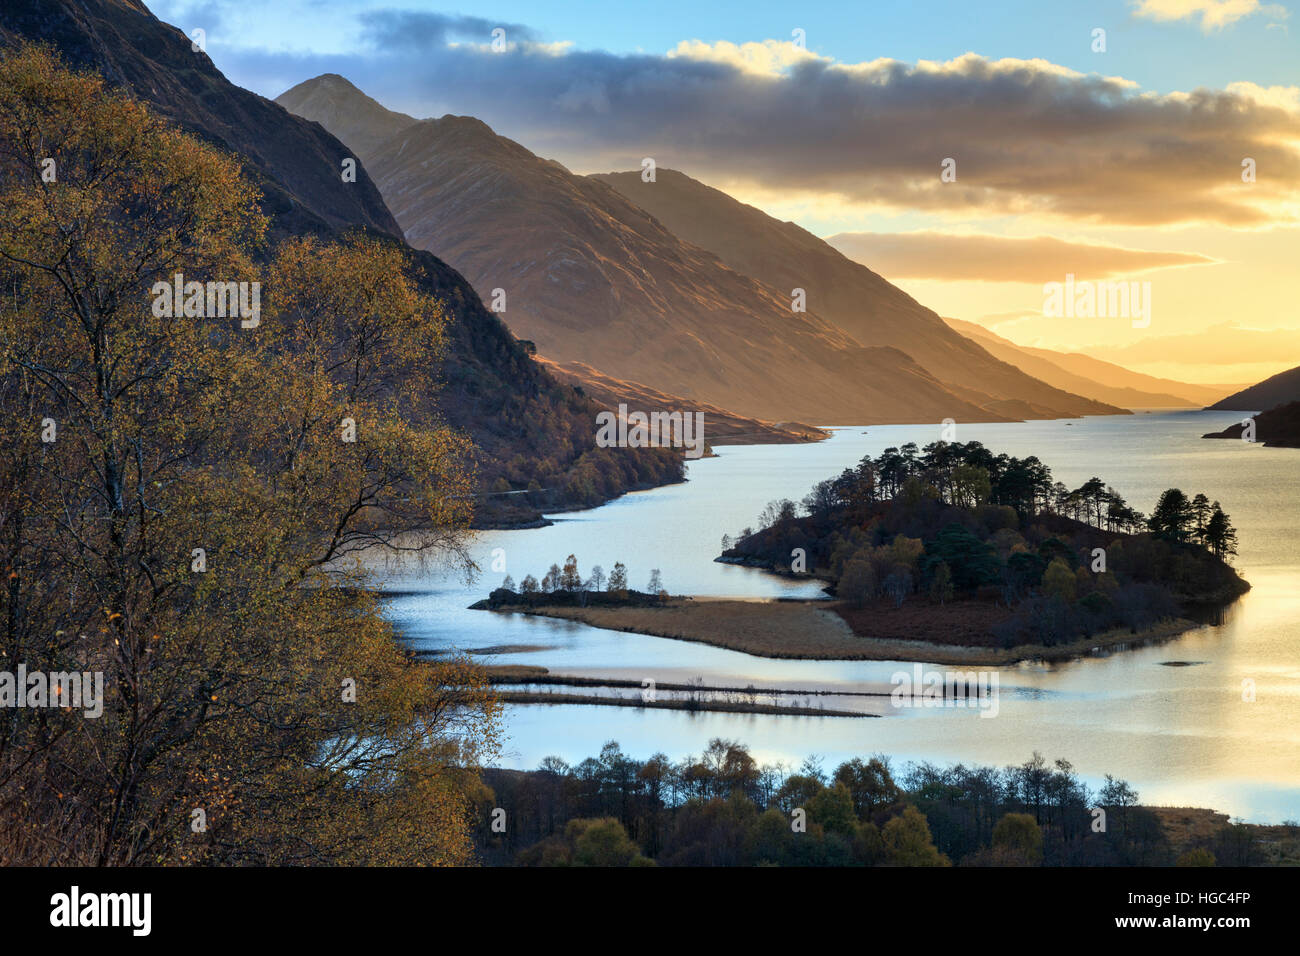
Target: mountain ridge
<point>844,292</point>
<point>1070,371</point>
<point>595,278</point>
<point>493,389</point>
<point>1279,389</point>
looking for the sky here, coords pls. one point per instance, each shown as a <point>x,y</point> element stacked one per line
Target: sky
<point>1148,141</point>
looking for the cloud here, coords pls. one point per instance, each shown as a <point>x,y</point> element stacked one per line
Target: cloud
<point>418,30</point>
<point>1028,136</point>
<point>1214,14</point>
<point>769,58</point>
<point>936,255</point>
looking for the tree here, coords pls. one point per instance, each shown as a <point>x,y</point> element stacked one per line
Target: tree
<point>1118,797</point>
<point>908,842</point>
<point>570,579</point>
<point>602,842</point>
<point>941,584</point>
<point>1059,581</point>
<point>970,485</point>
<point>1220,536</point>
<point>857,584</point>
<point>1091,496</point>
<point>190,532</point>
<point>1201,510</point>
<point>821,500</point>
<point>870,784</point>
<point>551,580</point>
<point>529,585</point>
<point>656,582</point>
<point>618,578</point>
<point>1172,517</point>
<point>509,583</point>
<point>971,561</point>
<point>1019,835</point>
<point>597,582</point>
<point>898,585</point>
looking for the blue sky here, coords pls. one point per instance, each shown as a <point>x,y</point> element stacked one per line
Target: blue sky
<point>1160,56</point>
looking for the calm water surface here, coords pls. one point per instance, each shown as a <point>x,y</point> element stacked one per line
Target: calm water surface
<point>1181,735</point>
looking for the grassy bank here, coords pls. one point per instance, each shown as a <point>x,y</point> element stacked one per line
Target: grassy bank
<point>815,630</point>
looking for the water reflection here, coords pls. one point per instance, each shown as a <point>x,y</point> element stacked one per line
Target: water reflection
<point>1184,735</point>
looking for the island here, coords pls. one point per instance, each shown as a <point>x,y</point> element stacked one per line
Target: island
<point>948,554</point>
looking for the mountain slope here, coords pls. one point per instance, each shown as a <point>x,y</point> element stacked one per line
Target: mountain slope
<point>721,426</point>
<point>293,162</point>
<point>525,424</point>
<point>1051,367</point>
<point>590,277</point>
<point>1278,427</point>
<point>845,293</point>
<point>356,119</point>
<point>1279,389</point>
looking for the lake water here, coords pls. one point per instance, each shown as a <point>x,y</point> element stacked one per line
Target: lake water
<point>1181,735</point>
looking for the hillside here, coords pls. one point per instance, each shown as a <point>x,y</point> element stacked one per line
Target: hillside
<point>590,277</point>
<point>1277,390</point>
<point>1088,376</point>
<point>1278,427</point>
<point>845,293</point>
<point>516,413</point>
<point>721,426</point>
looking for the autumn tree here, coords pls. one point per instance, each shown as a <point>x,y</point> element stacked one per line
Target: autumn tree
<point>191,505</point>
<point>1059,581</point>
<point>908,842</point>
<point>570,578</point>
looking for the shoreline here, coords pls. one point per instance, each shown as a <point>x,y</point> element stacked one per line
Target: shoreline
<point>811,630</point>
<point>720,707</point>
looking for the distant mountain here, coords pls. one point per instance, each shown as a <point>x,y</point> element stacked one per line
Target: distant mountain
<point>356,119</point>
<point>525,424</point>
<point>1092,377</point>
<point>1280,389</point>
<point>721,426</point>
<point>1278,427</point>
<point>590,277</point>
<point>845,293</point>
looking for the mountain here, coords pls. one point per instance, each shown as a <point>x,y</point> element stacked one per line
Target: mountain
<point>1280,389</point>
<point>591,277</point>
<point>845,293</point>
<point>356,119</point>
<point>1088,376</point>
<point>525,424</point>
<point>721,426</point>
<point>1278,427</point>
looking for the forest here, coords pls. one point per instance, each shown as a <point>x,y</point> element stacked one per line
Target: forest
<point>955,521</point>
<point>723,808</point>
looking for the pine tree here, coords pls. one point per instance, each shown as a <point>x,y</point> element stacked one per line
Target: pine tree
<point>1220,535</point>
